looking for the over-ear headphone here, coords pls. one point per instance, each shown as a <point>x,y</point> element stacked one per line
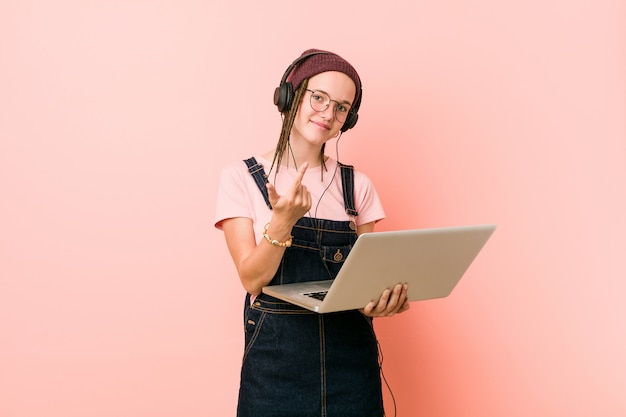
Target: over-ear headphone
<point>283,94</point>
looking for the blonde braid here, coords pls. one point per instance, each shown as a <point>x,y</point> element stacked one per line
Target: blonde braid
<point>285,132</point>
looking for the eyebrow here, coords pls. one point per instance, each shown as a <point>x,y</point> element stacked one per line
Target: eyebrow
<point>322,91</point>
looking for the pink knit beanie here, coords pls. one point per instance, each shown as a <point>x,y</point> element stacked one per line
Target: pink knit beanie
<point>322,61</point>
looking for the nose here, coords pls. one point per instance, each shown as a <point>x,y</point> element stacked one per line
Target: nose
<point>329,112</point>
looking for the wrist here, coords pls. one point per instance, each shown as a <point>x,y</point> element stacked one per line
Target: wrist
<point>284,244</point>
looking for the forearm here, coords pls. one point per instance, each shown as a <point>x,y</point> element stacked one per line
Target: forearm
<point>258,269</point>
<point>256,263</point>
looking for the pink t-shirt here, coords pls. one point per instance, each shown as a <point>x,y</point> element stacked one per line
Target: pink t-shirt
<point>239,196</point>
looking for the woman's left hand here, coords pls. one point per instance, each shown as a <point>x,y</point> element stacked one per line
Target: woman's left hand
<point>390,302</point>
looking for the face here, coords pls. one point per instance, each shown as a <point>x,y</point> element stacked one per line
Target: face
<point>317,127</point>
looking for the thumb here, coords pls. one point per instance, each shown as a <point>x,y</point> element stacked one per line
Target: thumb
<point>271,193</point>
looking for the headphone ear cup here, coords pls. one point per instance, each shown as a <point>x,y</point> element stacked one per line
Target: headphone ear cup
<point>353,114</point>
<point>283,97</point>
<point>350,122</point>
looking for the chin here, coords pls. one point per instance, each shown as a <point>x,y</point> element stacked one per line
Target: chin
<point>321,140</point>
<point>315,136</point>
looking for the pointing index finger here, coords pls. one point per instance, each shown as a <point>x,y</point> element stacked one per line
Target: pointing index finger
<point>301,172</point>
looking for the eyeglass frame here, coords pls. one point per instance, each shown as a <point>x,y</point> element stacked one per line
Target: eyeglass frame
<point>328,105</point>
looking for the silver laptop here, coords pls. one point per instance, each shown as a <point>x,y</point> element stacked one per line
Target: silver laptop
<point>431,261</point>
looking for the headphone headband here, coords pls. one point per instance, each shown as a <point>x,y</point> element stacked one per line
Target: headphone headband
<point>295,63</point>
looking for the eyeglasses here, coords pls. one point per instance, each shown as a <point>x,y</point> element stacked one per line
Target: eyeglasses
<point>320,102</point>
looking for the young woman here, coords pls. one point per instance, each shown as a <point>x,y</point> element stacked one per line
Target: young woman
<point>291,215</point>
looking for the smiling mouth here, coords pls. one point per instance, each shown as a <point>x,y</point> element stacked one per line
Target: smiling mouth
<point>321,124</point>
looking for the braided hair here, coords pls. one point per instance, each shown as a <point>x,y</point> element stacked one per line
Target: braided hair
<point>288,119</point>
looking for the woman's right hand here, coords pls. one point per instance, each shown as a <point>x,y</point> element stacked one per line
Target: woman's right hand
<point>291,206</point>
<point>257,264</point>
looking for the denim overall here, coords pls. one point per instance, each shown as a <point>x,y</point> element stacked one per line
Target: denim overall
<point>305,364</point>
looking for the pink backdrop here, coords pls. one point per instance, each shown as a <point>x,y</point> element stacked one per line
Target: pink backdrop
<point>117,296</point>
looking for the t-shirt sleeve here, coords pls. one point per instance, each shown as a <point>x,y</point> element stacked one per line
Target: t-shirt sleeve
<point>232,200</point>
<point>367,202</point>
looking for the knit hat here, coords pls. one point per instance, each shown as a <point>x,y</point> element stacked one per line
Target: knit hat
<point>322,61</point>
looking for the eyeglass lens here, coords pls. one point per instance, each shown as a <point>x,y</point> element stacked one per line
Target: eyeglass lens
<point>320,102</point>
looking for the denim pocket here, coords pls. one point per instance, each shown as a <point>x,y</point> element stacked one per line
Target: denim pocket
<point>252,326</point>
<point>335,254</point>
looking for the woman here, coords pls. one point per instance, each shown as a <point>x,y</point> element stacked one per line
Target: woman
<point>291,215</point>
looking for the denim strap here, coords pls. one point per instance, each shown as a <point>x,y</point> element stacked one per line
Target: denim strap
<point>347,180</point>
<point>258,173</point>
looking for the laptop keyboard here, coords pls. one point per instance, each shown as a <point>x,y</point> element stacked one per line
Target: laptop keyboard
<point>319,295</point>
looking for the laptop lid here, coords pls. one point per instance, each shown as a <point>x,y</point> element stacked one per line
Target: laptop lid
<point>431,261</point>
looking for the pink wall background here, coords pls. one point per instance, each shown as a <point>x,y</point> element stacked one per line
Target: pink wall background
<point>117,297</point>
